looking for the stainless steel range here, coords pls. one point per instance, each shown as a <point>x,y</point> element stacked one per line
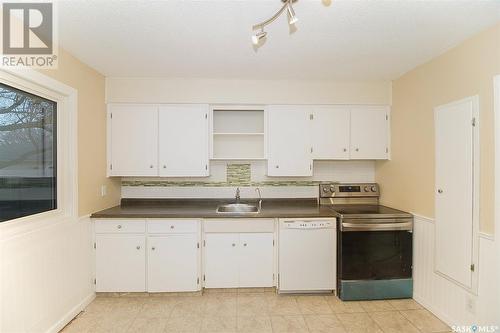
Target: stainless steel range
<point>374,243</point>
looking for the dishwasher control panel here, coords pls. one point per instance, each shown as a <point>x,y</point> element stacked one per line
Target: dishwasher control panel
<point>308,224</point>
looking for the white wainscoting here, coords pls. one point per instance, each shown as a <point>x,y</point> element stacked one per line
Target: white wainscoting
<point>46,276</point>
<point>443,297</point>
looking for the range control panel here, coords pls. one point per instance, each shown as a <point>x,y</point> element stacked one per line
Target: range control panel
<point>348,190</point>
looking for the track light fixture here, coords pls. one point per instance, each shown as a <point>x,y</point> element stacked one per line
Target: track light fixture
<point>292,19</point>
<point>258,36</point>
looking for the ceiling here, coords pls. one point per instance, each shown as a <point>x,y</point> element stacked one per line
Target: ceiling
<point>333,40</point>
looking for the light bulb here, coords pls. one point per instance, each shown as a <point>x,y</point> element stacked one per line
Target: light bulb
<point>292,18</point>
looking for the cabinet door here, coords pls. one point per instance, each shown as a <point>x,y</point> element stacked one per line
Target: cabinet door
<point>369,133</point>
<point>133,140</point>
<point>120,263</point>
<point>289,144</point>
<point>256,260</point>
<point>330,128</point>
<point>173,263</point>
<point>183,143</point>
<point>221,260</point>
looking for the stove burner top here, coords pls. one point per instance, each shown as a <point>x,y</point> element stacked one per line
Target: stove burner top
<point>374,211</point>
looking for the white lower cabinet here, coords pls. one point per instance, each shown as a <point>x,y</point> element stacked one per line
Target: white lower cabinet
<point>164,257</point>
<point>120,263</point>
<point>235,260</point>
<point>173,263</point>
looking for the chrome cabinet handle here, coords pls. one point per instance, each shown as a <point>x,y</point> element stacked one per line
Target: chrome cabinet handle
<point>138,247</point>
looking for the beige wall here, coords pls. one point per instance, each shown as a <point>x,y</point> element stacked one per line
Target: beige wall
<point>162,90</point>
<point>408,179</point>
<point>91,133</point>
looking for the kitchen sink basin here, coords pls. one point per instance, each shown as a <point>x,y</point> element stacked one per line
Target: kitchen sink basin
<point>238,208</point>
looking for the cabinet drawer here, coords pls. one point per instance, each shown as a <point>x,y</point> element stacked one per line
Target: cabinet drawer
<point>120,226</point>
<point>172,226</point>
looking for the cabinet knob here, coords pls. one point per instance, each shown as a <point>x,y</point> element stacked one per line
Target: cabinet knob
<point>164,166</point>
<point>151,166</point>
<point>153,248</point>
<point>138,247</point>
<point>233,245</point>
<point>345,149</point>
<point>277,166</point>
<point>245,244</point>
<point>172,227</point>
<point>440,191</point>
<point>357,149</point>
<point>119,226</point>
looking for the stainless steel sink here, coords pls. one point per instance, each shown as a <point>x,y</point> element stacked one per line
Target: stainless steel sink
<point>238,208</point>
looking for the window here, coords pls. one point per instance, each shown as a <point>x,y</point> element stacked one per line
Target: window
<point>28,156</point>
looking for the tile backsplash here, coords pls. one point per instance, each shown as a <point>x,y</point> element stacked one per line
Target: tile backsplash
<point>225,176</point>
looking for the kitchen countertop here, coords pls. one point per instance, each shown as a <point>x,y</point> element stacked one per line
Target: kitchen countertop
<point>205,208</point>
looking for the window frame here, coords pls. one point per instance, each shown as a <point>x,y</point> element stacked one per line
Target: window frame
<point>65,96</point>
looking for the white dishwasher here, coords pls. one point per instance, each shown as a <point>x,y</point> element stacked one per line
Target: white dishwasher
<point>307,255</point>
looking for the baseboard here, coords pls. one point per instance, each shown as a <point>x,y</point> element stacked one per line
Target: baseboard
<point>72,314</point>
<point>430,307</point>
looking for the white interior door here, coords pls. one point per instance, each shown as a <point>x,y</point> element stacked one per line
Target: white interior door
<point>183,140</point>
<point>221,260</point>
<point>173,263</point>
<point>369,132</point>
<point>120,263</point>
<point>454,135</point>
<point>289,143</point>
<point>256,260</point>
<point>330,128</point>
<point>134,140</point>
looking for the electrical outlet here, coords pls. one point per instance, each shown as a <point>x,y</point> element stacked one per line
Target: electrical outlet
<point>470,304</point>
<point>104,190</point>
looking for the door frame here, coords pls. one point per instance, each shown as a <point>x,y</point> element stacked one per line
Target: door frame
<point>496,129</point>
<point>476,159</point>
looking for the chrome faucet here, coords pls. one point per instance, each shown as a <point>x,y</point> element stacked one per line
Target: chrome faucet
<point>260,197</point>
<point>238,195</point>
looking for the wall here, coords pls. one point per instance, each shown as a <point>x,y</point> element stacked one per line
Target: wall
<point>149,90</point>
<point>47,269</point>
<point>408,179</point>
<point>443,297</point>
<point>91,133</point>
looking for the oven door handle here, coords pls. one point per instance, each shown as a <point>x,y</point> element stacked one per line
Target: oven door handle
<point>346,226</point>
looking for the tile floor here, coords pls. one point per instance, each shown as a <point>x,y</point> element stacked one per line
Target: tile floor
<point>255,310</point>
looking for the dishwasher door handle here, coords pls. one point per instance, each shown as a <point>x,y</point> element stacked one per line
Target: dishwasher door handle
<point>346,226</point>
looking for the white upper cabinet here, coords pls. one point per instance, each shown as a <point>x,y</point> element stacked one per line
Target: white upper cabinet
<point>369,132</point>
<point>133,140</point>
<point>183,140</point>
<point>330,129</point>
<point>289,142</point>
